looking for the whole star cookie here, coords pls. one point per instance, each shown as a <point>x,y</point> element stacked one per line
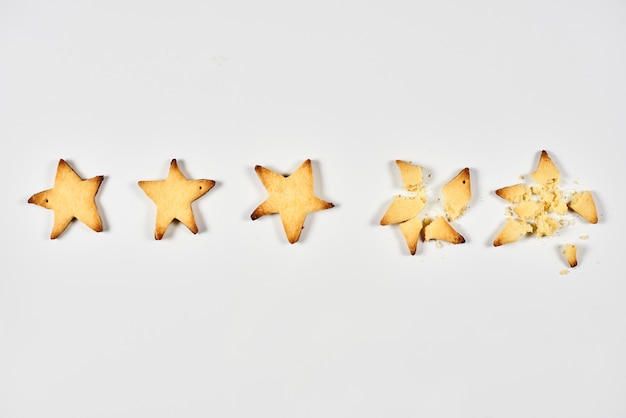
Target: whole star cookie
<point>70,198</point>
<point>291,197</point>
<point>173,197</point>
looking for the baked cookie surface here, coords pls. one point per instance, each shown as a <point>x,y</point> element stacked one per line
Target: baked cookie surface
<point>70,198</point>
<point>582,203</point>
<point>546,174</point>
<point>173,197</point>
<point>512,231</point>
<point>456,194</point>
<point>570,254</point>
<point>291,196</point>
<point>440,229</point>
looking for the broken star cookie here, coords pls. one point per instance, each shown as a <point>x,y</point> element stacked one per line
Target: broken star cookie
<point>291,197</point>
<point>70,198</point>
<point>173,197</point>
<point>404,210</point>
<point>541,205</point>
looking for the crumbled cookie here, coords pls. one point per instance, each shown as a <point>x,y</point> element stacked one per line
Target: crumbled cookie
<point>540,208</point>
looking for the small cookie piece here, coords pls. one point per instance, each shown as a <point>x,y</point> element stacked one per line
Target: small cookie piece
<point>546,174</point>
<point>440,229</point>
<point>515,193</point>
<point>583,204</point>
<point>457,194</point>
<point>291,197</point>
<point>512,231</point>
<point>570,255</point>
<point>173,197</point>
<point>403,208</point>
<point>411,230</point>
<point>70,198</point>
<point>411,175</point>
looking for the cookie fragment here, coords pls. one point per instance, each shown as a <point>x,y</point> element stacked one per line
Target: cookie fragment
<point>512,231</point>
<point>546,174</point>
<point>570,255</point>
<point>411,175</point>
<point>411,231</point>
<point>440,229</point>
<point>515,193</point>
<point>583,204</point>
<point>457,194</point>
<point>403,208</point>
<point>70,198</point>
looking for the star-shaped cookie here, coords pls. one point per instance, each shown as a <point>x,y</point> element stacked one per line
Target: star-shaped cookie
<point>70,198</point>
<point>173,197</point>
<point>290,196</point>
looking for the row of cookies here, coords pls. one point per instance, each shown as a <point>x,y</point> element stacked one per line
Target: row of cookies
<point>293,198</point>
<point>74,198</point>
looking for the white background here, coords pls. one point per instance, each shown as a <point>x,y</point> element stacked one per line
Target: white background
<point>236,322</point>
